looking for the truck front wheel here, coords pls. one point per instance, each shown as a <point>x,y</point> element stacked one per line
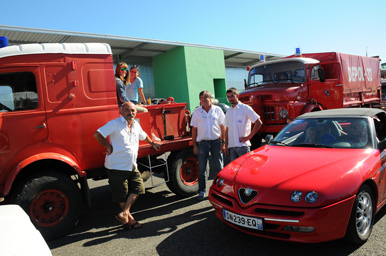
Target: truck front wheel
<point>53,202</point>
<point>183,172</point>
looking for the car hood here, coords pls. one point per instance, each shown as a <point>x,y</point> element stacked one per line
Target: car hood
<point>276,171</point>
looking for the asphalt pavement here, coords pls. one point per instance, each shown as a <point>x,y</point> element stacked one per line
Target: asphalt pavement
<point>184,226</point>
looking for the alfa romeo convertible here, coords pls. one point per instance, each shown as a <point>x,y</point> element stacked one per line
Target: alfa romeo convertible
<point>321,178</point>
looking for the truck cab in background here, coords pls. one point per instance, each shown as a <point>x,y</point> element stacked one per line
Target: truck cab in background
<point>53,97</point>
<point>281,90</point>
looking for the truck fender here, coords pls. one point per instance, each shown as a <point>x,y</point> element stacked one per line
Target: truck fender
<point>311,108</point>
<point>37,157</point>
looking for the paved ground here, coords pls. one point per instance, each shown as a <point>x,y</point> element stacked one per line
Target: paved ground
<point>184,226</point>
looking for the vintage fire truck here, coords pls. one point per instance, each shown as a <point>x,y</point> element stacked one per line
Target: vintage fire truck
<point>281,90</point>
<point>53,97</point>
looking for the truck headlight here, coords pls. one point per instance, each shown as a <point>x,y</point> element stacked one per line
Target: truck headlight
<point>283,113</point>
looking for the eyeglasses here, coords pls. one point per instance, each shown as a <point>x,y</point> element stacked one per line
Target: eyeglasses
<point>123,69</point>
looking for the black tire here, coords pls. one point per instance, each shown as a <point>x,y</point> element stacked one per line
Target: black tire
<point>52,201</point>
<point>362,217</point>
<point>183,172</point>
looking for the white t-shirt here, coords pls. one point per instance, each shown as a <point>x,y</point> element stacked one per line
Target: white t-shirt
<point>125,143</point>
<point>208,123</point>
<point>239,121</point>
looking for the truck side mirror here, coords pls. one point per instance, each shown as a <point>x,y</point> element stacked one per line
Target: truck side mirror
<point>245,83</point>
<point>322,75</point>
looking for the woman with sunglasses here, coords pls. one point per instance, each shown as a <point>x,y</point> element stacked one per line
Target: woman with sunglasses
<point>122,79</point>
<point>135,87</point>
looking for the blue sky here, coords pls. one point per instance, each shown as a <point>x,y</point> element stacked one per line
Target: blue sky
<point>274,26</point>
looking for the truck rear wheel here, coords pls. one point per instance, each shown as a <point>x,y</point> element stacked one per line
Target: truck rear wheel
<point>53,202</point>
<point>183,172</point>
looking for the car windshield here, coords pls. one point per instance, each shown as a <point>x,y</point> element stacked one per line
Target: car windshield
<point>326,132</point>
<point>284,72</point>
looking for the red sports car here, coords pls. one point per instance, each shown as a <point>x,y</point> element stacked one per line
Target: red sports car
<point>321,178</point>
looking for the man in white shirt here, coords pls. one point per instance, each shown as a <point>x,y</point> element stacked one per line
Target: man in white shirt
<point>238,122</point>
<point>208,129</point>
<point>121,156</point>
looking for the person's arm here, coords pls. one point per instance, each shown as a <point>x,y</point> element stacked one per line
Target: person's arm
<point>152,143</point>
<point>140,92</point>
<point>225,138</point>
<point>121,91</point>
<point>104,142</point>
<point>223,131</point>
<point>255,128</point>
<point>194,138</point>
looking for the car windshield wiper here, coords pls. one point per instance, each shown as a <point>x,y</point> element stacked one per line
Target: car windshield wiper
<point>312,145</point>
<point>276,142</point>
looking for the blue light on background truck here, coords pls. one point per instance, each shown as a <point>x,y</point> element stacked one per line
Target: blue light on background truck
<point>3,41</point>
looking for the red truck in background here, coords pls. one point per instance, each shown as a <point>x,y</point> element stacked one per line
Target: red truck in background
<point>281,90</point>
<point>53,97</point>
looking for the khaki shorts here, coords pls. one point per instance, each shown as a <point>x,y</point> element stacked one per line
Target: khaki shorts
<point>123,183</point>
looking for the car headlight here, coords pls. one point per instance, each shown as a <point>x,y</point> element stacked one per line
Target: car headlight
<point>283,113</point>
<point>296,196</point>
<point>220,183</point>
<point>311,197</point>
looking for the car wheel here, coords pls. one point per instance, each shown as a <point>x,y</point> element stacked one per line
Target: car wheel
<point>362,217</point>
<point>53,202</point>
<point>183,172</point>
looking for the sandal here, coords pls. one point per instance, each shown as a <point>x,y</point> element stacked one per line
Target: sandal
<point>135,225</point>
<point>122,221</point>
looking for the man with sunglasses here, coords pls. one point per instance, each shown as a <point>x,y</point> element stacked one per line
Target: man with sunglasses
<point>135,88</point>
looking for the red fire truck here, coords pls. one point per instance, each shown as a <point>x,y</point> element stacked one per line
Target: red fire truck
<point>53,97</point>
<point>281,90</point>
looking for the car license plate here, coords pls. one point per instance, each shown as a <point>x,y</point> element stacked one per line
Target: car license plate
<point>241,220</point>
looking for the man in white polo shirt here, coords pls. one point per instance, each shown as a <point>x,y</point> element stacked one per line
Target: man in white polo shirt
<point>208,129</point>
<point>121,156</point>
<point>238,122</point>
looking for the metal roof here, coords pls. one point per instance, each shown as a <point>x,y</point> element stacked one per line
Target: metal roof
<point>123,46</point>
<point>300,60</point>
<point>44,48</point>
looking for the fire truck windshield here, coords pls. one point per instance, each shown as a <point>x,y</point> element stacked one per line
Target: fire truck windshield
<point>277,73</point>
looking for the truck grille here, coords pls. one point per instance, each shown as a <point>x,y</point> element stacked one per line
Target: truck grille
<point>271,116</point>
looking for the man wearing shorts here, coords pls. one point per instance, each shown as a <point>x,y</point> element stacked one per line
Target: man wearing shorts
<point>122,147</point>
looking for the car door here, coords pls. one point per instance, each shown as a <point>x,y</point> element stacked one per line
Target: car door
<point>380,128</point>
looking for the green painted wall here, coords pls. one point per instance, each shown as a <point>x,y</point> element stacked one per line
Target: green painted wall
<point>184,72</point>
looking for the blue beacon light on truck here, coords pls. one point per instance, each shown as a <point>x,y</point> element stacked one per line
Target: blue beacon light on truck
<point>3,41</point>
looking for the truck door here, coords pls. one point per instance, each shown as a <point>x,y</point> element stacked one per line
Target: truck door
<point>22,115</point>
<point>330,92</point>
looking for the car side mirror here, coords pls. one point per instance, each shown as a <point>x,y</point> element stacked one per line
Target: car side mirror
<point>268,138</point>
<point>245,84</point>
<point>322,75</point>
<point>382,145</point>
